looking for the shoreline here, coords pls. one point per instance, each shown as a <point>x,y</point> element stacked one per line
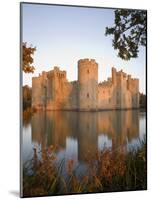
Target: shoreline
<point>91,110</point>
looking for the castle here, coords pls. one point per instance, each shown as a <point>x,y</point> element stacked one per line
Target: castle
<point>52,91</point>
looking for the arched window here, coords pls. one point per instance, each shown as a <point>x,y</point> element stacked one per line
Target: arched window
<point>87,95</point>
<point>88,71</point>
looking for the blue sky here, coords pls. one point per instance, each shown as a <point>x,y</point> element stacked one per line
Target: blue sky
<point>63,35</point>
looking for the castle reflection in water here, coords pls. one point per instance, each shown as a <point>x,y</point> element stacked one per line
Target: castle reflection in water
<point>80,132</point>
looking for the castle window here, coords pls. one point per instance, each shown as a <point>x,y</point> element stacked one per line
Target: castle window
<point>88,95</point>
<point>88,71</point>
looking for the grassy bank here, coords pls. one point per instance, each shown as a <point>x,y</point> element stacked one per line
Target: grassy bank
<point>107,171</point>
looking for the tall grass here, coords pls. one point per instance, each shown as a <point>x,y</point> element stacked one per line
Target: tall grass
<point>107,171</point>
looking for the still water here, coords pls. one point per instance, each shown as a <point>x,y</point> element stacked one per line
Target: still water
<point>76,133</point>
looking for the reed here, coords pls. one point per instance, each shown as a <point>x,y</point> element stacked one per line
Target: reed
<point>107,171</point>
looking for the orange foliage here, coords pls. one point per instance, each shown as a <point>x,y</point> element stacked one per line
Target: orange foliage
<point>27,58</point>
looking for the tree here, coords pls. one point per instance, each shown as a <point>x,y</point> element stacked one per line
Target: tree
<point>142,100</point>
<point>129,32</point>
<point>27,58</point>
<point>27,96</point>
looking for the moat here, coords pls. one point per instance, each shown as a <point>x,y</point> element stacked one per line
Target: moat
<point>77,133</point>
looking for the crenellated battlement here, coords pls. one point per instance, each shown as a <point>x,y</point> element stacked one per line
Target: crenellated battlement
<point>87,61</point>
<point>107,83</point>
<point>116,74</point>
<point>134,79</point>
<point>56,72</point>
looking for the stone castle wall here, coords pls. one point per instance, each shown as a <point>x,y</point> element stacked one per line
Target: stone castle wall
<point>88,84</point>
<point>52,91</point>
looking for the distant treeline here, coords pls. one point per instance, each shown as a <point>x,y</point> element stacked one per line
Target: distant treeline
<point>27,93</point>
<point>142,100</point>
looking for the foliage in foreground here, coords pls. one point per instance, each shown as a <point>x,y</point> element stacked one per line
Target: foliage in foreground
<point>129,32</point>
<point>107,171</point>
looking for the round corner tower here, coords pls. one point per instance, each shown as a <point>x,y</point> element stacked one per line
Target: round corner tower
<point>88,84</point>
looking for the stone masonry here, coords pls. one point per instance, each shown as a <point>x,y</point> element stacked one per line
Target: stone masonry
<point>52,91</point>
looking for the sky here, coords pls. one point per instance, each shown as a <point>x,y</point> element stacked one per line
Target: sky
<point>63,35</point>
